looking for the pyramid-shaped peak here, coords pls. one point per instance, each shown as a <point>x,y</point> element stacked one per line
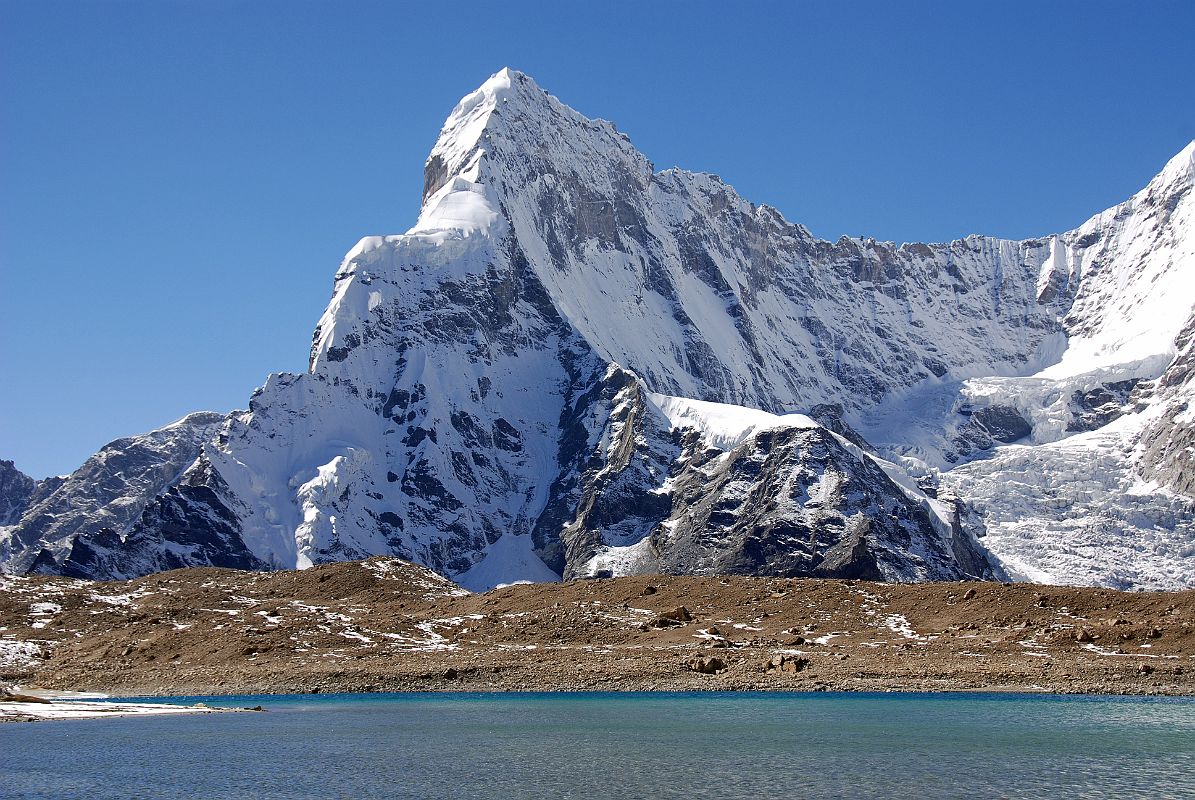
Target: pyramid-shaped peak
<point>507,78</point>
<point>509,113</point>
<point>460,138</point>
<point>504,85</point>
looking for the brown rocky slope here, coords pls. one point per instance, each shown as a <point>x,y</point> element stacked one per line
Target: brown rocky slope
<point>386,625</point>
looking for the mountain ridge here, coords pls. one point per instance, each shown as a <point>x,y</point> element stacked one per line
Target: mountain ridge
<point>479,385</point>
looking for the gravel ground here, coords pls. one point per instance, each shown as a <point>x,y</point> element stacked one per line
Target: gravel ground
<point>385,625</point>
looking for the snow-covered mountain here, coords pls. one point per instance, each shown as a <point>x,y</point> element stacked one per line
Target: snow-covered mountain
<point>1101,491</point>
<point>573,364</point>
<point>108,493</point>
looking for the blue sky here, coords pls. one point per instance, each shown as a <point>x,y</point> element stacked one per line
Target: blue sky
<point>179,181</point>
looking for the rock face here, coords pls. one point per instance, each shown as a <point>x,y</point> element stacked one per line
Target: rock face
<point>763,495</point>
<point>15,490</point>
<point>188,523</point>
<point>575,365</point>
<point>1168,441</point>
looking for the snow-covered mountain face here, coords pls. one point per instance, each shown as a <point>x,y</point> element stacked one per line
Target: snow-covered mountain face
<point>1102,493</point>
<point>575,365</point>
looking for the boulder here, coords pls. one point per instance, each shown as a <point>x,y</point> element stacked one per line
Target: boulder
<point>668,619</point>
<point>786,664</point>
<point>707,665</point>
<point>680,614</point>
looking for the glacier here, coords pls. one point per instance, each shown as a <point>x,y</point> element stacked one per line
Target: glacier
<point>576,365</point>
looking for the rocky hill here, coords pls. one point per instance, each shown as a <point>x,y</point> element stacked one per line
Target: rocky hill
<point>384,624</point>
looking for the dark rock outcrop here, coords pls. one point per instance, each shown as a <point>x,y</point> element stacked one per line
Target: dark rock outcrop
<point>16,488</point>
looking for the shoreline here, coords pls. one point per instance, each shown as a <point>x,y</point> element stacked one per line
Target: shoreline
<point>743,674</point>
<point>120,707</point>
<point>662,687</point>
<point>759,690</point>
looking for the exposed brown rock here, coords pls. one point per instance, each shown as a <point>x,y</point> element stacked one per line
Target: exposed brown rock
<point>707,665</point>
<point>787,664</point>
<point>382,625</point>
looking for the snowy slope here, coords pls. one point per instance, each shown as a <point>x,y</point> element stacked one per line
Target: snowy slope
<point>573,363</point>
<point>1076,512</point>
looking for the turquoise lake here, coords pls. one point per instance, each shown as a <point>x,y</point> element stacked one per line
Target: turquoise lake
<point>625,746</point>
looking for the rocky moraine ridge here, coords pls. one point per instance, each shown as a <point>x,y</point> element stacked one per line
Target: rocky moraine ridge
<point>387,625</point>
<point>576,365</point>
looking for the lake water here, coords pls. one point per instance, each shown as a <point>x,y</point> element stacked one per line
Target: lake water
<point>619,746</point>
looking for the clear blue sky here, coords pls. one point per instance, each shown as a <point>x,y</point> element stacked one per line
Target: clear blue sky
<point>179,180</point>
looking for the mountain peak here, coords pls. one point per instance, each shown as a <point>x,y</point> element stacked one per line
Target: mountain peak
<point>1181,167</point>
<point>504,79</point>
<point>510,132</point>
<point>503,86</point>
<point>460,141</point>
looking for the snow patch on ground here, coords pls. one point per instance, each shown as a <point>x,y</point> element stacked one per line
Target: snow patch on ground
<point>14,653</point>
<point>899,624</point>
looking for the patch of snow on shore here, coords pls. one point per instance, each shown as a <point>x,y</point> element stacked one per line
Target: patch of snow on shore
<point>14,653</point>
